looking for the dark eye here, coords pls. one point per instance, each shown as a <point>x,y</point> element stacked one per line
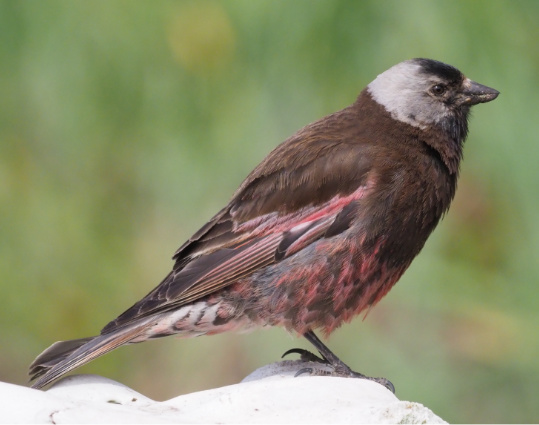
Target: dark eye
<point>438,89</point>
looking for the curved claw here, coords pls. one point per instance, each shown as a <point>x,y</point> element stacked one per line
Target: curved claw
<point>308,370</point>
<point>386,383</point>
<point>299,351</point>
<point>305,355</point>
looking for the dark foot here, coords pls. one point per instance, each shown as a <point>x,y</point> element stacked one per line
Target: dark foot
<point>345,373</point>
<point>339,368</point>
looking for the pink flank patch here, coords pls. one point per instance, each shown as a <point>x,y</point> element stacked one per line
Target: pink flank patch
<point>273,223</point>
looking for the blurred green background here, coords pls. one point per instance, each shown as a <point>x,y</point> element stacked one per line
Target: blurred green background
<point>125,125</point>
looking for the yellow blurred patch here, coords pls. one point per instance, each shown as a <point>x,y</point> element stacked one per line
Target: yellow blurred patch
<point>201,37</point>
<point>487,336</point>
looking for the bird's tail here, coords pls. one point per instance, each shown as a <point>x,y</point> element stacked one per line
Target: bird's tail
<point>64,356</point>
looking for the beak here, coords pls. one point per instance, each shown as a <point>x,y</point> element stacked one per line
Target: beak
<point>475,93</point>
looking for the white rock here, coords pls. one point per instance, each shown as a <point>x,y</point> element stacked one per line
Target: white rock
<point>269,395</point>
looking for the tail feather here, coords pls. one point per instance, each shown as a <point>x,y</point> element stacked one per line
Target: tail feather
<point>54,355</point>
<point>64,356</point>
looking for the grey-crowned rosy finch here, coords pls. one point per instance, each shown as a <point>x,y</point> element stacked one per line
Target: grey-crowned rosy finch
<point>319,231</point>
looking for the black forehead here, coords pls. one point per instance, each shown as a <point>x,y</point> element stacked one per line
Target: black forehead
<point>440,69</point>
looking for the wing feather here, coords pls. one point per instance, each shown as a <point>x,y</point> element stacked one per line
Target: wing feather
<point>304,190</point>
<point>289,201</point>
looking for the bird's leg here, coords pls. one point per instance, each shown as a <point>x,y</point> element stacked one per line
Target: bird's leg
<point>329,358</point>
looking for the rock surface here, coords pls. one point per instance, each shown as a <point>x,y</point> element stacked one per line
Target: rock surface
<point>269,395</point>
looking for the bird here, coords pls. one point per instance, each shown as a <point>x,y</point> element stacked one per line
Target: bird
<point>318,232</point>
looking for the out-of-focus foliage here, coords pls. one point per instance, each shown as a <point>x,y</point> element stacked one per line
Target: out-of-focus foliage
<point>124,126</point>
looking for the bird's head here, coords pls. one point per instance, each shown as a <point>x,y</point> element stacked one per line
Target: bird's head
<point>426,93</point>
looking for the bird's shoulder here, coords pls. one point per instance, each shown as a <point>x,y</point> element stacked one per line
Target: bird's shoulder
<point>329,158</point>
